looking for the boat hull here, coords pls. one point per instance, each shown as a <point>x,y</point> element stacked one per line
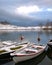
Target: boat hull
<point>24,58</point>
<point>50,46</point>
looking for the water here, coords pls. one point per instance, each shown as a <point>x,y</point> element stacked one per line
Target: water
<point>31,36</point>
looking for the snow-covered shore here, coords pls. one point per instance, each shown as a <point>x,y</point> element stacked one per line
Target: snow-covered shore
<point>13,27</point>
<point>18,28</point>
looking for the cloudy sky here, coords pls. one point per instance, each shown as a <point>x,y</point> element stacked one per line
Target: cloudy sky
<point>25,9</point>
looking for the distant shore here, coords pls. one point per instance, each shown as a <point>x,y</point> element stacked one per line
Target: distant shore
<point>9,27</point>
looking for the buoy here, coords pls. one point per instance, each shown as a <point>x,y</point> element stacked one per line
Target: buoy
<point>38,39</point>
<point>22,37</point>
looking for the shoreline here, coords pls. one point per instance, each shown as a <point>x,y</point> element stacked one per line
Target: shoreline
<point>21,28</point>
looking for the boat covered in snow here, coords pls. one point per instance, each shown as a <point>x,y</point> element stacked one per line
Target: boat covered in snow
<point>27,53</point>
<point>7,47</point>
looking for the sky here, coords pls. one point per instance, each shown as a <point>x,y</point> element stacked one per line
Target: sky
<point>25,10</point>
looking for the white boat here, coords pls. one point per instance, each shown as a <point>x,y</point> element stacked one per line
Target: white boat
<point>7,47</point>
<point>27,53</point>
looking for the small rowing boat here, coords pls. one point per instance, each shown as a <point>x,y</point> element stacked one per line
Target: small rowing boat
<point>27,53</point>
<point>8,47</point>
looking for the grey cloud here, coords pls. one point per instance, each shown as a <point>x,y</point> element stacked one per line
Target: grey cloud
<point>25,21</point>
<point>10,5</point>
<point>15,19</point>
<point>41,3</point>
<point>18,18</point>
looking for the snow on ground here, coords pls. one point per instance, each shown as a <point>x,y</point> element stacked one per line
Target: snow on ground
<point>18,28</point>
<point>12,27</point>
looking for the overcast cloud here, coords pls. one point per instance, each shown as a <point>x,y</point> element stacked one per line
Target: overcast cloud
<point>14,9</point>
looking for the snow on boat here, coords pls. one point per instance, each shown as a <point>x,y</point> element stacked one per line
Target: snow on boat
<point>50,44</point>
<point>7,47</point>
<point>27,53</point>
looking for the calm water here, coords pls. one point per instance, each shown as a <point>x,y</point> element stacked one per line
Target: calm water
<point>31,36</point>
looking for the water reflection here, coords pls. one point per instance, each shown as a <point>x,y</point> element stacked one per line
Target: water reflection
<point>48,33</point>
<point>49,53</point>
<point>33,61</point>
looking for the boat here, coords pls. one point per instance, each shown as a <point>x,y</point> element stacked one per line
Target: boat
<point>49,53</point>
<point>27,53</point>
<point>50,44</point>
<point>33,61</point>
<point>7,47</point>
